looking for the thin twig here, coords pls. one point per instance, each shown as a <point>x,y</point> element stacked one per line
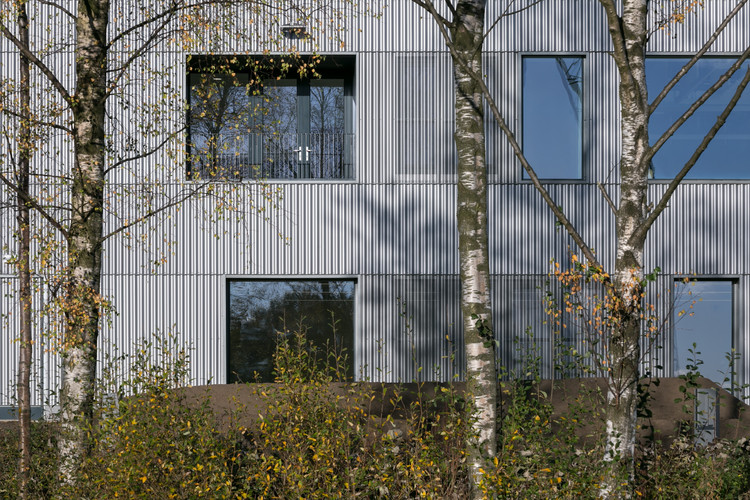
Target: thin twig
<point>606,197</point>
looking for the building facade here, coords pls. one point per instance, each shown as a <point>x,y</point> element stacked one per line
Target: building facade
<point>364,227</point>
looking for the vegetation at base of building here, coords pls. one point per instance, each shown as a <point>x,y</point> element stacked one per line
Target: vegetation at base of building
<point>321,437</point>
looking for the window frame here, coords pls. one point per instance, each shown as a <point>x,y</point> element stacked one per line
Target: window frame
<point>334,66</point>
<point>584,130</point>
<point>735,336</point>
<point>356,305</point>
<point>687,56</point>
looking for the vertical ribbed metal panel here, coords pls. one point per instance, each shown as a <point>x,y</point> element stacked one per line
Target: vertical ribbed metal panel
<point>524,234</point>
<point>550,26</point>
<point>44,373</point>
<point>8,340</point>
<point>704,230</point>
<point>536,335</point>
<point>411,328</point>
<point>521,325</point>
<point>393,227</point>
<point>163,303</point>
<point>318,229</point>
<point>698,27</point>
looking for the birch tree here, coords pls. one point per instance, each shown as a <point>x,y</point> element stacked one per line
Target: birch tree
<point>628,27</point>
<point>111,42</point>
<point>465,33</point>
<point>24,254</point>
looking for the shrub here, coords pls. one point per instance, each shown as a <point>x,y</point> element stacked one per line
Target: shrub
<point>318,440</point>
<point>43,460</point>
<point>155,443</point>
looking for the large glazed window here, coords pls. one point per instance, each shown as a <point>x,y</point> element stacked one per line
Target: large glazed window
<point>728,155</point>
<point>261,310</point>
<point>553,115</point>
<point>704,316</point>
<point>252,124</point>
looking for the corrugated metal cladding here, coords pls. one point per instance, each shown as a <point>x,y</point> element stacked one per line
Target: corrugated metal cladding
<point>392,227</point>
<point>44,374</point>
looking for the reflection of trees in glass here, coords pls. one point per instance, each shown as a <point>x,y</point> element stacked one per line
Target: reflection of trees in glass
<point>283,128</point>
<point>571,74</point>
<point>260,309</point>
<point>327,128</point>
<point>552,115</point>
<point>279,117</point>
<point>220,120</point>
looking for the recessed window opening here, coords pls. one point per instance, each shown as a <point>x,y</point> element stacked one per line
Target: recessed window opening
<point>552,133</point>
<point>703,329</point>
<point>254,120</point>
<point>260,311</point>
<point>728,155</point>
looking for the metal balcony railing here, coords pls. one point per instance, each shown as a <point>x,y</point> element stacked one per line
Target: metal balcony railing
<point>280,156</point>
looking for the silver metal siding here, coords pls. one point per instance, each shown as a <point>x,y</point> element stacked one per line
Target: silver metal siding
<point>393,227</point>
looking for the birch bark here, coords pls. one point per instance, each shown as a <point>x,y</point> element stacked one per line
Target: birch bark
<point>628,33</point>
<point>467,32</point>
<point>82,300</point>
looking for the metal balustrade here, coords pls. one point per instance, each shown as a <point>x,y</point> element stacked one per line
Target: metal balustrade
<point>278,156</point>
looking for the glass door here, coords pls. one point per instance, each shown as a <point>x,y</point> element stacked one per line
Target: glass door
<point>305,130</point>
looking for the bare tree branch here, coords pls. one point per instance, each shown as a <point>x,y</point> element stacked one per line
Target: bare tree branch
<point>31,202</point>
<point>607,198</point>
<point>451,7</point>
<point>697,104</point>
<point>720,120</point>
<point>557,211</point>
<point>58,7</point>
<point>669,86</point>
<point>144,154</point>
<point>38,122</point>
<point>616,34</point>
<point>428,6</point>
<point>38,63</point>
<point>156,211</point>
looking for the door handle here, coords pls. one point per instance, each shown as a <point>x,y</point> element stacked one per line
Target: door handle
<point>299,150</point>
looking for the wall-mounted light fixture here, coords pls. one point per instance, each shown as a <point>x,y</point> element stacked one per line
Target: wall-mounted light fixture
<point>295,31</point>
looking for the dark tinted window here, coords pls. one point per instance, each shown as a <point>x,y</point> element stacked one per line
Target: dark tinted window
<point>259,310</point>
<point>274,126</point>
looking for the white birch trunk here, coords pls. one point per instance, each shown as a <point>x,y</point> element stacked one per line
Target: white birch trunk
<point>467,35</point>
<point>82,294</point>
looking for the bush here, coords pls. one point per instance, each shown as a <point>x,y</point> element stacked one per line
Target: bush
<point>721,470</point>
<point>155,443</point>
<point>320,436</point>
<point>539,456</point>
<point>315,442</point>
<point>43,460</point>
